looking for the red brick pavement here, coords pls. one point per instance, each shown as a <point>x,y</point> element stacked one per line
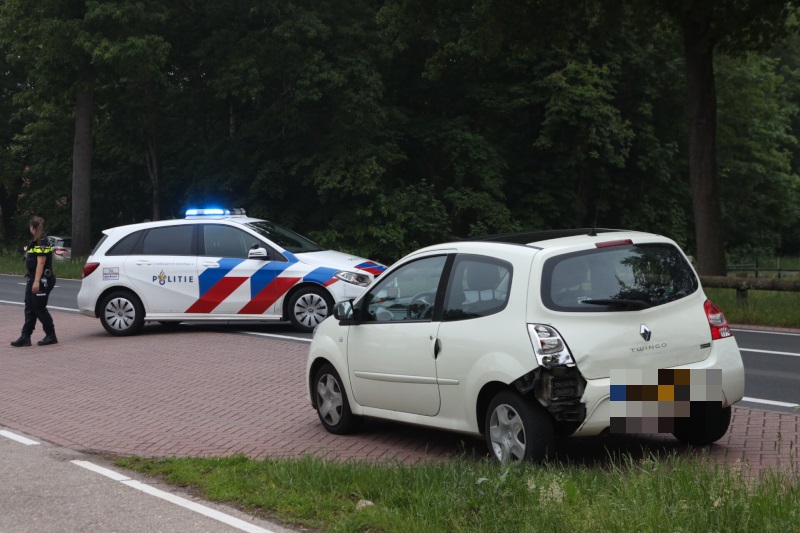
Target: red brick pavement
<point>202,392</point>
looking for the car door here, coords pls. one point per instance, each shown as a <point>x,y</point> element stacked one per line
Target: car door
<point>163,268</point>
<point>229,282</point>
<point>391,352</point>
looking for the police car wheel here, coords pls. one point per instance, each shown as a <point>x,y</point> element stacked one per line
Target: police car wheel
<point>122,314</point>
<point>331,402</point>
<point>308,307</point>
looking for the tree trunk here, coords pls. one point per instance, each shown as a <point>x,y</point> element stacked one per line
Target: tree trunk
<point>154,169</point>
<point>82,169</point>
<point>703,173</point>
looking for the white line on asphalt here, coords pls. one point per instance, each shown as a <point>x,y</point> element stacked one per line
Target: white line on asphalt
<point>793,354</point>
<point>274,336</point>
<point>49,306</point>
<point>769,402</point>
<point>766,331</point>
<point>18,438</point>
<point>172,498</point>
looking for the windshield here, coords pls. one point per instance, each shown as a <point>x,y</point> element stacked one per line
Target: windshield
<point>284,238</point>
<point>617,278</point>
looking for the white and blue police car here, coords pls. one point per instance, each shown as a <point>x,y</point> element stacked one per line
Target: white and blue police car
<point>218,265</point>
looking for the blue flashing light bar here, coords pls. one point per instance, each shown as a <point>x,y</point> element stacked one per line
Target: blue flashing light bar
<point>214,211</point>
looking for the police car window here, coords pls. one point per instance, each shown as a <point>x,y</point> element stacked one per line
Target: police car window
<point>408,293</point>
<point>479,286</point>
<point>169,240</point>
<point>226,241</point>
<point>125,246</point>
<point>97,246</point>
<point>286,239</point>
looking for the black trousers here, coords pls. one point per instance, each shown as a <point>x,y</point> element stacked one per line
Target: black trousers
<point>36,306</point>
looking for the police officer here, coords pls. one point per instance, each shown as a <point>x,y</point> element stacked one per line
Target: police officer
<point>41,280</point>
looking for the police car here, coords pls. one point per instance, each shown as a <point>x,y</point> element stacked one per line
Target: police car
<point>219,265</point>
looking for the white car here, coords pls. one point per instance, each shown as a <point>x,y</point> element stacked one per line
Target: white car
<point>523,337</point>
<point>62,247</point>
<point>217,265</point>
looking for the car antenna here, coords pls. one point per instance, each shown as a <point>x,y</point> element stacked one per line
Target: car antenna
<point>593,232</point>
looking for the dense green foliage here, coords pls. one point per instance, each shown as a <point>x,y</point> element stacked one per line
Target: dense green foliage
<point>380,126</point>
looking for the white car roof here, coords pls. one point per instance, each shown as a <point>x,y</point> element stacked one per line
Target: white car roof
<point>545,240</point>
<point>183,221</point>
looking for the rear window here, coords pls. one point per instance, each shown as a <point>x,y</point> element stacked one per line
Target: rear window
<point>619,278</point>
<point>126,245</point>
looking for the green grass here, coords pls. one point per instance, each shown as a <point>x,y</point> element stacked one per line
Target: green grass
<point>669,494</point>
<point>765,308</point>
<point>11,263</point>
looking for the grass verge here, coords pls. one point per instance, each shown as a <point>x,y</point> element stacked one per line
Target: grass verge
<point>651,494</point>
<point>11,263</point>
<point>763,308</point>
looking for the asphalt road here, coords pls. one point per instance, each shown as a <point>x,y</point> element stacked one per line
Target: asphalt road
<point>771,359</point>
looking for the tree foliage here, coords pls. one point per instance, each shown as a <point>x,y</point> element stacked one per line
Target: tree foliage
<point>379,127</point>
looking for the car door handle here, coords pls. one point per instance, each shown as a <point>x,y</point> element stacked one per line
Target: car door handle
<point>143,262</point>
<point>437,347</point>
<point>212,264</point>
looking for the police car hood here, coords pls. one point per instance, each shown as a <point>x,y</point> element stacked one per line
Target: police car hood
<point>334,259</point>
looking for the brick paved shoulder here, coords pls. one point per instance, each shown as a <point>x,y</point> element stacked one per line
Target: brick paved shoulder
<point>195,392</point>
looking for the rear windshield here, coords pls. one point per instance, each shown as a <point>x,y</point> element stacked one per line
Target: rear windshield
<point>619,278</point>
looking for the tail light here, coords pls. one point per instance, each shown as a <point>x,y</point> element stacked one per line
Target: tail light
<point>88,268</point>
<point>549,347</point>
<point>717,321</point>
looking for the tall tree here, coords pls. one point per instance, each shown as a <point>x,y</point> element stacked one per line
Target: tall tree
<point>66,50</point>
<point>738,26</point>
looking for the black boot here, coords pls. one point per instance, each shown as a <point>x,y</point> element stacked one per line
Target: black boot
<point>50,338</point>
<point>24,340</point>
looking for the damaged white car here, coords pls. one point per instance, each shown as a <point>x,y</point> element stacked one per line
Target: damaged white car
<point>523,337</point>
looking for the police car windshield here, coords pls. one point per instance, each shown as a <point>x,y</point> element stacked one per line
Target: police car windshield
<point>284,238</point>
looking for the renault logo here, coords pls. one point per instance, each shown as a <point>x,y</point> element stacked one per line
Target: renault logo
<point>645,332</point>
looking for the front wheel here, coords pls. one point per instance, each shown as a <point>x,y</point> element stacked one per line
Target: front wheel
<point>309,307</point>
<point>517,429</point>
<point>707,424</point>
<point>122,314</point>
<point>330,399</point>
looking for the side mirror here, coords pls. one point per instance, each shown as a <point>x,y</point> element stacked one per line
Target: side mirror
<point>257,252</point>
<point>343,311</point>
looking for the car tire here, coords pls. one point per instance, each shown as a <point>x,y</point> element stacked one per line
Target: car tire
<point>122,314</point>
<point>308,307</point>
<point>518,429</point>
<point>331,402</point>
<point>704,426</point>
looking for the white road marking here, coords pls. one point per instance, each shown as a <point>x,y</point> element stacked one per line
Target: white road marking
<point>18,438</point>
<point>792,354</point>
<point>49,306</point>
<point>769,402</point>
<point>172,498</point>
<point>766,331</point>
<point>275,336</point>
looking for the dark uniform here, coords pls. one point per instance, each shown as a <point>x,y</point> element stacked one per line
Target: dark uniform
<point>36,304</point>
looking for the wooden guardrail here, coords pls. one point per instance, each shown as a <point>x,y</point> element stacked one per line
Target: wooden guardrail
<point>742,285</point>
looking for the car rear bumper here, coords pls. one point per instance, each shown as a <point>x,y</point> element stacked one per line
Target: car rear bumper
<point>724,356</point>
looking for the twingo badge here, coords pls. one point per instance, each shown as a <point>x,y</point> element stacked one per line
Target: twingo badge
<point>163,279</point>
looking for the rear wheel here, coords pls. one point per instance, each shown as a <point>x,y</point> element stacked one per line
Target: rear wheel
<point>330,398</point>
<point>122,314</point>
<point>308,307</point>
<point>705,425</point>
<point>517,429</point>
